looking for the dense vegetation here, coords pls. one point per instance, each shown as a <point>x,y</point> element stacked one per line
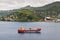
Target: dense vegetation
<point>29,13</point>
<point>51,10</point>
<point>21,15</point>
<point>26,15</point>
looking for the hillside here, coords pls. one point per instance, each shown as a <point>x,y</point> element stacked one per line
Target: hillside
<point>34,13</point>
<point>21,15</point>
<point>46,7</point>
<point>52,9</point>
<point>6,12</point>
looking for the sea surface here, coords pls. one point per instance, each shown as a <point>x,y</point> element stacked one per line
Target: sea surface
<point>50,31</point>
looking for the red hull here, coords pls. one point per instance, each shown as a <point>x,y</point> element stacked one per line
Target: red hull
<point>25,31</point>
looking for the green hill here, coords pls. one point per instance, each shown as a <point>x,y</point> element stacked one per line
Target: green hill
<point>29,13</point>
<point>52,9</point>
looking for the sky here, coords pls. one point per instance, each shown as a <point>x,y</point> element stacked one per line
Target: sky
<point>14,4</point>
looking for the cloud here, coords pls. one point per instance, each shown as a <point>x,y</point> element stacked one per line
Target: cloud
<point>38,2</point>
<point>12,4</point>
<point>7,4</point>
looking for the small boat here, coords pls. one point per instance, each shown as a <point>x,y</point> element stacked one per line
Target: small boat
<point>30,31</point>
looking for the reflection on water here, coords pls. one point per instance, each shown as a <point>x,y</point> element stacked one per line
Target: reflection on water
<point>50,31</point>
<point>29,36</point>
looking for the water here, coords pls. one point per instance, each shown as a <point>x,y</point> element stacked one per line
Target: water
<point>50,31</point>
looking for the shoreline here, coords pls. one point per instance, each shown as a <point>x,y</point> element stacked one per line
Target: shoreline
<point>29,21</point>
